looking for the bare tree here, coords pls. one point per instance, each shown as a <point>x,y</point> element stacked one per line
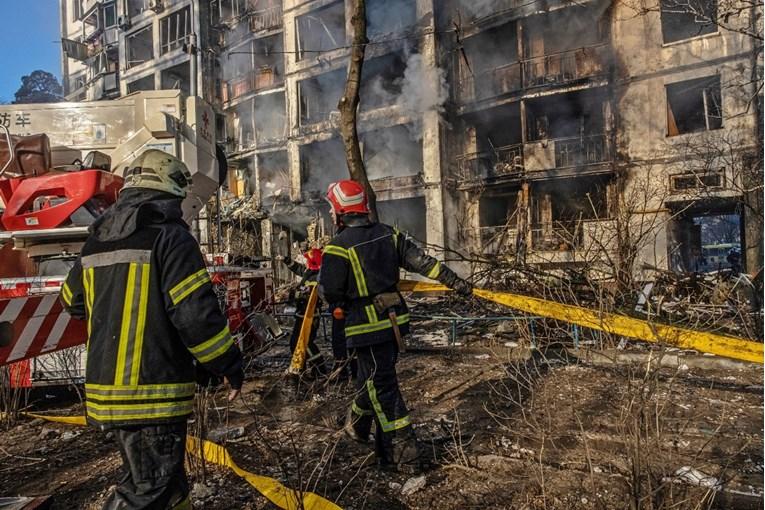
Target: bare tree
<point>349,105</point>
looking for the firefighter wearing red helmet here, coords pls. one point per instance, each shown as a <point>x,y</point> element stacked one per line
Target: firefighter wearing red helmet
<point>360,266</point>
<point>299,297</point>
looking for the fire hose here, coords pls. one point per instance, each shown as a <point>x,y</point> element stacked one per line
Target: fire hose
<point>617,324</point>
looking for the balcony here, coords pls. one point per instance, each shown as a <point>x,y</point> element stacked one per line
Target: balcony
<point>565,67</point>
<point>254,81</point>
<point>557,236</point>
<point>498,240</point>
<point>566,152</point>
<point>266,19</point>
<point>501,162</point>
<point>485,85</point>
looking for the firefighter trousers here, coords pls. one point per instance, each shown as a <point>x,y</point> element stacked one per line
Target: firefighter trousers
<point>340,350</point>
<point>379,400</point>
<point>154,477</point>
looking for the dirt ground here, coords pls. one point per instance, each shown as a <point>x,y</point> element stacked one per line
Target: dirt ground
<point>503,430</point>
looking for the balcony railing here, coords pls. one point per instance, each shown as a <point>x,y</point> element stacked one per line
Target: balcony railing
<point>565,67</point>
<point>264,78</point>
<point>503,161</point>
<point>266,19</point>
<point>559,68</point>
<point>495,82</point>
<point>556,236</point>
<point>580,151</point>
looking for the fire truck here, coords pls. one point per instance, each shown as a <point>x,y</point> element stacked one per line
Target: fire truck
<point>61,166</point>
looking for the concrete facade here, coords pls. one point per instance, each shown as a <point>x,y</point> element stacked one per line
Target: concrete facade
<point>546,132</point>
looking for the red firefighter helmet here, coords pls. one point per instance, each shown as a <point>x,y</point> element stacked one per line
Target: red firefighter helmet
<point>313,259</point>
<point>347,197</point>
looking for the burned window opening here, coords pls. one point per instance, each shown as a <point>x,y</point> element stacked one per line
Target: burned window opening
<point>494,144</point>
<point>253,67</point>
<point>694,106</point>
<point>319,96</point>
<point>560,208</point>
<point>321,30</point>
<point>274,177</point>
<point>488,66</point>
<point>685,19</point>
<point>554,56</point>
<point>387,17</point>
<point>408,215</point>
<point>321,163</point>
<point>382,80</point>
<point>270,118</point>
<point>242,128</point>
<point>392,152</point>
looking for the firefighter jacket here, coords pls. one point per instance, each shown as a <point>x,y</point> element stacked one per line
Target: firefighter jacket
<point>151,311</point>
<point>363,260</point>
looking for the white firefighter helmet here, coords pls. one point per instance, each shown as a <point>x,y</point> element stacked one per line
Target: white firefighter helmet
<point>156,169</point>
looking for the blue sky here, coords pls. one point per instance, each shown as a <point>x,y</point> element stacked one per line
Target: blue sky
<point>28,40</point>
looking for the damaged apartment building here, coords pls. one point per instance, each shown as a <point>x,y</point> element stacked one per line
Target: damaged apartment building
<point>550,132</point>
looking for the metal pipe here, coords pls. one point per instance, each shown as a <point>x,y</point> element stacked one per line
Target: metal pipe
<point>193,64</point>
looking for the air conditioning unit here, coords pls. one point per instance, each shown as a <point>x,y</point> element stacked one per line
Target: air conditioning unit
<point>156,5</point>
<point>124,22</point>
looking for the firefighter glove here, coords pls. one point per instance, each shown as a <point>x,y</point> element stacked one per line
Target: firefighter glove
<point>462,287</point>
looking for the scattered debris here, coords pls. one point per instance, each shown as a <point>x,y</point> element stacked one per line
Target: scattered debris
<point>413,485</point>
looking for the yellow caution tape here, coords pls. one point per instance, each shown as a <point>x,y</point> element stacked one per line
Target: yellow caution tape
<point>69,420</point>
<point>278,494</point>
<point>713,343</point>
<point>298,357</point>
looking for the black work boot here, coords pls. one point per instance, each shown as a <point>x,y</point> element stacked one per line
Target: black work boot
<point>409,454</point>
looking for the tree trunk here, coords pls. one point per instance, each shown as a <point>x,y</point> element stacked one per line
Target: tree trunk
<point>349,104</point>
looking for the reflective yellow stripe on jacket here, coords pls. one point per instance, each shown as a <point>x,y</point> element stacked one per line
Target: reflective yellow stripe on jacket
<point>189,285</point>
<point>214,347</point>
<point>133,325</point>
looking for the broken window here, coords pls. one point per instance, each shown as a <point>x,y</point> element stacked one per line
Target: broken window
<point>389,17</point>
<point>319,96</point>
<point>683,19</point>
<point>381,80</point>
<point>408,215</point>
<point>392,152</point>
<point>498,211</point>
<point>274,176</point>
<point>177,78</point>
<point>321,30</point>
<point>174,29</point>
<point>140,47</point>
<point>687,182</point>
<point>488,65</point>
<point>559,207</point>
<point>321,163</point>
<point>242,127</point>
<point>270,118</point>
<point>694,105</point>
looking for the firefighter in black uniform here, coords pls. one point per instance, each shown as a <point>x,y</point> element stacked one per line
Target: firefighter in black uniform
<point>299,296</point>
<point>361,270</point>
<point>142,285</point>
